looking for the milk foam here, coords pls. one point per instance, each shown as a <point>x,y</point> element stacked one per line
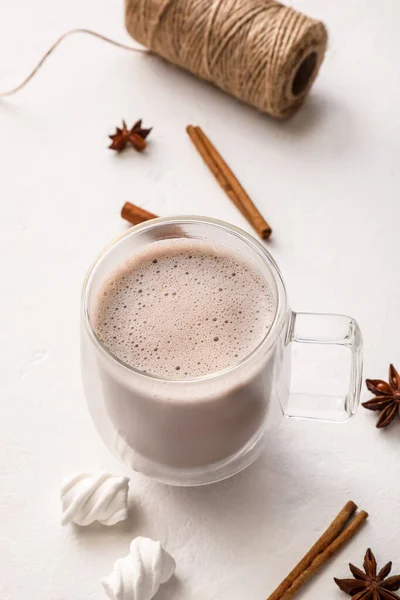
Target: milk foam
<point>183,309</point>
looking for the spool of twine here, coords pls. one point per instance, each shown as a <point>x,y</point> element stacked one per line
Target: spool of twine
<point>260,51</point>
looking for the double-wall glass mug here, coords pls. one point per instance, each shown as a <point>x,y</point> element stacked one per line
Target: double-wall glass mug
<point>201,430</point>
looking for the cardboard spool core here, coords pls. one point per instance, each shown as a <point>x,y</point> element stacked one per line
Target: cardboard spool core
<point>304,74</point>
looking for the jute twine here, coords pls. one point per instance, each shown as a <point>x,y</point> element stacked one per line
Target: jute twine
<point>260,51</point>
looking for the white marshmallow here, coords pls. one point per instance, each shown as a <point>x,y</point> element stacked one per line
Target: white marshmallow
<point>86,497</point>
<point>139,575</point>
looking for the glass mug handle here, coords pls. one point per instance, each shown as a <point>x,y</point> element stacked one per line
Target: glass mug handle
<point>334,330</point>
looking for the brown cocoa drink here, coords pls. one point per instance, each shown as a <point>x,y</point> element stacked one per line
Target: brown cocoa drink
<point>183,310</point>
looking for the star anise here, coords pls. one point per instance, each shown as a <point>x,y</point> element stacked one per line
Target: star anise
<point>135,136</point>
<point>387,397</point>
<point>370,585</point>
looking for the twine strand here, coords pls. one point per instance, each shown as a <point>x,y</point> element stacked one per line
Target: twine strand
<point>57,43</point>
<point>260,51</point>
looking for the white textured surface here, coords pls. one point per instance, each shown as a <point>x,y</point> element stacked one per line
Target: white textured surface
<point>329,182</point>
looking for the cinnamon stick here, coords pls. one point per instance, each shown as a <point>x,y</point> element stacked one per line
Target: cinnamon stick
<point>135,215</point>
<point>326,538</point>
<point>322,558</point>
<point>228,181</point>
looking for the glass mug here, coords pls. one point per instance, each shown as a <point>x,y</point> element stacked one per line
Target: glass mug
<point>198,431</point>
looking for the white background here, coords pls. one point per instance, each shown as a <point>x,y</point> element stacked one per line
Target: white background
<point>328,181</point>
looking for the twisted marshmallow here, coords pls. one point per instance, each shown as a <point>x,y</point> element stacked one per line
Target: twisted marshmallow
<point>86,498</point>
<point>139,575</point>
